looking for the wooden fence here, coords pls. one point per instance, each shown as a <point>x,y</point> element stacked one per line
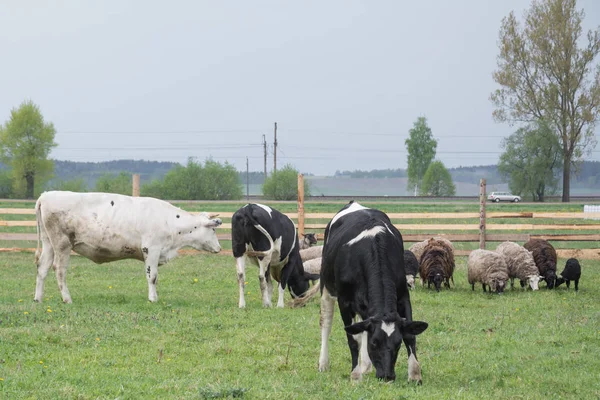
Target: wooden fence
<point>578,229</point>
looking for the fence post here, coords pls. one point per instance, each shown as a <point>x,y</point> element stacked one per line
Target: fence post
<point>136,186</point>
<point>482,199</point>
<point>301,204</point>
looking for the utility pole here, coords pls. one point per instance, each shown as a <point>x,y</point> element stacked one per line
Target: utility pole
<point>265,154</point>
<point>275,150</point>
<point>247,180</point>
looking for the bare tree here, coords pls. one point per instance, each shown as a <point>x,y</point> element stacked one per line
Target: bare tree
<point>546,72</point>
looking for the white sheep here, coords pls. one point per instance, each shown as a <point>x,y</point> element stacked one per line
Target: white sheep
<point>489,268</point>
<point>312,266</point>
<point>520,264</point>
<point>311,252</point>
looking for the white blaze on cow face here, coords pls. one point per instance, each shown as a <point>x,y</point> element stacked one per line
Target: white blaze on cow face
<point>266,208</point>
<point>368,233</point>
<point>533,281</point>
<point>388,328</point>
<point>353,207</point>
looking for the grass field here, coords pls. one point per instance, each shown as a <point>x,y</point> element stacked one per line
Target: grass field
<point>195,343</point>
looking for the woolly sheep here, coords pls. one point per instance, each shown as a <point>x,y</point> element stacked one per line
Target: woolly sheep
<point>545,258</point>
<point>312,266</point>
<point>411,267</point>
<point>308,240</point>
<point>311,252</point>
<point>419,247</point>
<point>520,264</point>
<point>572,272</point>
<point>437,264</point>
<point>489,268</point>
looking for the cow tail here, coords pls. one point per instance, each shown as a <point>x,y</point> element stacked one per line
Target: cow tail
<point>308,296</point>
<point>269,238</point>
<point>38,217</point>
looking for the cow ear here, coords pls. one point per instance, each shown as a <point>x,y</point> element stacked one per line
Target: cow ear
<point>413,327</point>
<point>359,327</point>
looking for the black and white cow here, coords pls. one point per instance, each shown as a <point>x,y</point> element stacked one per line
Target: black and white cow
<point>363,269</point>
<point>268,238</point>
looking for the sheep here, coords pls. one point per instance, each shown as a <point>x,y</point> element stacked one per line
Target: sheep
<point>312,266</point>
<point>437,264</point>
<point>572,272</point>
<point>418,247</point>
<point>308,240</point>
<point>311,252</point>
<point>545,258</point>
<point>411,267</point>
<point>520,264</point>
<point>489,268</point>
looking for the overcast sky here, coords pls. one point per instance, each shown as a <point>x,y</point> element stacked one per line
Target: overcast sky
<point>344,80</point>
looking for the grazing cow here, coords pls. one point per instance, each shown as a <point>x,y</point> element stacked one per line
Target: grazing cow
<point>363,269</point>
<point>268,238</point>
<point>106,227</point>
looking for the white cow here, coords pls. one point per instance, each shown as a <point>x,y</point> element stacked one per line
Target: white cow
<point>107,227</point>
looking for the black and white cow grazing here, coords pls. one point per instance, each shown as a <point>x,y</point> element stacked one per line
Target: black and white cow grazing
<point>363,269</point>
<point>268,238</point>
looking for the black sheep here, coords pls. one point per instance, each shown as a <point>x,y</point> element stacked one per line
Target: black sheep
<point>572,272</point>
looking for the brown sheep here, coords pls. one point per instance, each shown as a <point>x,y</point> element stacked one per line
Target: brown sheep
<point>419,247</point>
<point>489,268</point>
<point>437,264</point>
<point>545,259</point>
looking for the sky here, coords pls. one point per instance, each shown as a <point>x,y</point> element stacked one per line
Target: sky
<point>344,80</point>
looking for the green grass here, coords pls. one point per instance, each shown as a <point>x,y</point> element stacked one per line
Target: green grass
<point>195,343</point>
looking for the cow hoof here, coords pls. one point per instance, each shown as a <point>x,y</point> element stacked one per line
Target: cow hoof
<point>67,300</point>
<point>323,366</point>
<point>355,376</point>
<point>37,300</point>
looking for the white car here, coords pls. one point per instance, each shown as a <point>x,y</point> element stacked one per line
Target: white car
<point>503,196</point>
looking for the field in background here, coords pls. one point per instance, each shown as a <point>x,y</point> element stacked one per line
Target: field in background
<point>195,342</point>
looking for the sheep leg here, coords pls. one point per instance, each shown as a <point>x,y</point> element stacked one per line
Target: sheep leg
<point>568,282</point>
<point>576,285</point>
<point>473,286</point>
<point>483,284</point>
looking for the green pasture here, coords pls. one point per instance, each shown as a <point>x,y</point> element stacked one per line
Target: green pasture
<point>195,343</point>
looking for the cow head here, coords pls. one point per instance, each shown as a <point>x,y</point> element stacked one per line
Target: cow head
<point>550,278</point>
<point>384,337</point>
<point>497,285</point>
<point>533,281</point>
<point>204,234</point>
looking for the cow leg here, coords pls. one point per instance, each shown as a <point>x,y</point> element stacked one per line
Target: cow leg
<point>269,280</point>
<point>240,266</point>
<point>280,302</point>
<point>151,261</point>
<point>43,266</point>
<point>263,266</point>
<point>410,341</point>
<point>62,256</point>
<point>327,306</point>
<point>361,363</point>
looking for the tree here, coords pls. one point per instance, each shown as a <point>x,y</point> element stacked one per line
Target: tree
<point>531,161</point>
<point>421,148</point>
<point>211,181</point>
<point>437,181</point>
<point>72,185</point>
<point>111,183</point>
<point>283,184</point>
<point>545,73</point>
<point>25,143</point>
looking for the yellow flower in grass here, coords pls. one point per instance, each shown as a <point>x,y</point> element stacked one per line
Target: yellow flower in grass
<point>20,300</point>
<point>110,287</point>
<point>1,379</point>
<point>26,313</point>
<point>97,339</point>
<point>49,310</point>
<point>195,279</point>
<point>41,362</point>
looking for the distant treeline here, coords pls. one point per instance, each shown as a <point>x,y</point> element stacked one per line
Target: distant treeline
<point>586,175</point>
